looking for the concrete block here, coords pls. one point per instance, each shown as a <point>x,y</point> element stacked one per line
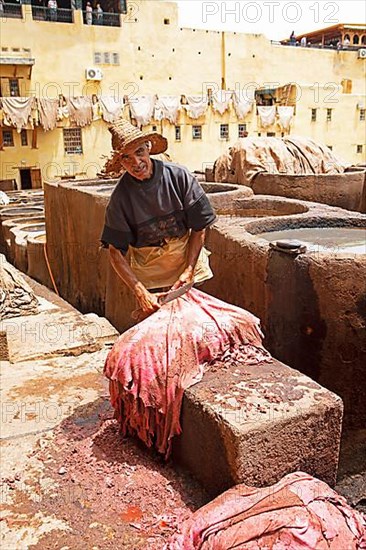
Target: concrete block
<point>38,395</point>
<point>255,424</point>
<point>52,333</point>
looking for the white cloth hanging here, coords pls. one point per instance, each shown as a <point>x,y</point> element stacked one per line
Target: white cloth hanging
<point>285,115</point>
<point>167,107</point>
<point>97,111</point>
<point>18,111</point>
<point>63,112</point>
<point>197,105</point>
<point>267,115</point>
<point>111,108</point>
<point>47,112</point>
<point>221,100</point>
<point>80,110</point>
<point>142,108</point>
<point>242,104</point>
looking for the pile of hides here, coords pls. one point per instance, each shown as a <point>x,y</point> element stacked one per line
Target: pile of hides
<point>152,364</point>
<point>297,513</point>
<point>4,199</point>
<point>16,296</point>
<point>288,155</point>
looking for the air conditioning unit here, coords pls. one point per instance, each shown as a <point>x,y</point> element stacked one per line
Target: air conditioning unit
<point>362,53</point>
<point>93,73</point>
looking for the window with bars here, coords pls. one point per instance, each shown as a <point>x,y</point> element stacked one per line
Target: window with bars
<point>362,114</point>
<point>97,58</point>
<point>329,115</point>
<point>106,57</point>
<point>359,149</point>
<point>115,58</point>
<point>271,134</point>
<point>177,133</point>
<point>8,140</point>
<point>224,131</point>
<point>72,141</point>
<point>313,115</point>
<point>24,138</point>
<point>14,87</point>
<point>242,131</point>
<point>196,132</point>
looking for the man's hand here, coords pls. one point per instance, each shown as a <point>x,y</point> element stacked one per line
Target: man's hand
<point>186,277</point>
<point>147,301</point>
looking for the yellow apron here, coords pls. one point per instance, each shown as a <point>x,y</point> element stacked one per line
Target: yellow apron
<point>161,266</point>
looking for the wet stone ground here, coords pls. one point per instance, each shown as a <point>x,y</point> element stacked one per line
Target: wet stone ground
<point>110,491</point>
<point>114,493</point>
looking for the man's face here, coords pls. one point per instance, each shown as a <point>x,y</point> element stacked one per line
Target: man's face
<point>137,162</point>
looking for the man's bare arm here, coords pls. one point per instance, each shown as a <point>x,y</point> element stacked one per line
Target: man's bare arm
<point>148,302</point>
<point>195,244</point>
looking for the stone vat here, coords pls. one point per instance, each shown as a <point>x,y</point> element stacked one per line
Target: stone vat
<point>6,225</point>
<point>18,243</point>
<point>37,265</point>
<point>312,305</point>
<point>345,190</point>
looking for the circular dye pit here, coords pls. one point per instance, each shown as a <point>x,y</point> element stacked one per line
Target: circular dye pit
<point>40,238</point>
<point>259,208</point>
<point>108,189</point>
<point>343,240</point>
<point>33,228</point>
<point>21,211</point>
<point>212,187</point>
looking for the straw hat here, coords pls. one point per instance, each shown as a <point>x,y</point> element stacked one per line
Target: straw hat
<point>125,137</point>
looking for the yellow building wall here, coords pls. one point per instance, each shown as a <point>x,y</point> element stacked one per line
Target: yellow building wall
<point>165,59</point>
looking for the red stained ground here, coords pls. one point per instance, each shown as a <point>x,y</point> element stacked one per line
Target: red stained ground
<point>112,492</point>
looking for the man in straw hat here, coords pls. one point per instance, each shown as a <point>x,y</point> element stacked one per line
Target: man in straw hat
<point>155,220</point>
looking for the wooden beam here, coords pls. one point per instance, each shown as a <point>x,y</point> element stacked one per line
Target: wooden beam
<point>34,138</point>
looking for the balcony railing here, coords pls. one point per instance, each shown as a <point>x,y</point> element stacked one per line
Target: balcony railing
<point>350,47</point>
<point>105,19</point>
<point>13,11</point>
<point>58,15</point>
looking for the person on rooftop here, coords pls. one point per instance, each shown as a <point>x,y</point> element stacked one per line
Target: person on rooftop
<point>89,14</point>
<point>156,219</point>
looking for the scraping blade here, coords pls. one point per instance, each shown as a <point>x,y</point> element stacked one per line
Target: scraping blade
<point>173,294</point>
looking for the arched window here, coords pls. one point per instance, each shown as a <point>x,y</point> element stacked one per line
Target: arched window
<point>356,39</point>
<point>363,40</point>
<point>346,37</point>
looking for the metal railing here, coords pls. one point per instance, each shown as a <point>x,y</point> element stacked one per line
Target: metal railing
<point>12,11</point>
<point>104,19</point>
<point>350,47</point>
<point>55,15</point>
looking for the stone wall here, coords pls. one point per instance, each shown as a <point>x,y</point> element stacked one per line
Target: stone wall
<point>343,190</point>
<point>74,222</point>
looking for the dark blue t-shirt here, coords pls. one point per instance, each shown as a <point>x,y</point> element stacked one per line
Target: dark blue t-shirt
<point>144,213</point>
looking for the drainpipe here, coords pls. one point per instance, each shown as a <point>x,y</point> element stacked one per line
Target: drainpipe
<point>223,62</point>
